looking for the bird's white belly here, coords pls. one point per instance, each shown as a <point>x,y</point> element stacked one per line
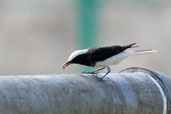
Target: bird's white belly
<point>114,60</point>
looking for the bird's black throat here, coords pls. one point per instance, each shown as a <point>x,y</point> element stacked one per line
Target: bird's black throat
<point>83,59</point>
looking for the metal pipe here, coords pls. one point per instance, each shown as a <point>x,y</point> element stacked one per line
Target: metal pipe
<point>132,91</point>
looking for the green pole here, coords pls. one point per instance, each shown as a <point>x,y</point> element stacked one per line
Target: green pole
<point>87,24</point>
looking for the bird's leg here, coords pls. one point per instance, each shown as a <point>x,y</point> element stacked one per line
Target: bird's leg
<point>108,71</point>
<point>95,71</point>
<point>98,70</point>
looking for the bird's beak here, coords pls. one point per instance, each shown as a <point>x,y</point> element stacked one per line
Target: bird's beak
<point>65,65</point>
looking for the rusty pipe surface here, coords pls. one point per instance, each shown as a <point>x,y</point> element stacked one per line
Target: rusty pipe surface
<point>132,91</point>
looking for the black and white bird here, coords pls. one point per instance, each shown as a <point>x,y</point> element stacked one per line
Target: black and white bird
<point>103,57</point>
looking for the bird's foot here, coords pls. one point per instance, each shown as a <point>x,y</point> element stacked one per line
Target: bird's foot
<point>89,72</point>
<point>95,74</point>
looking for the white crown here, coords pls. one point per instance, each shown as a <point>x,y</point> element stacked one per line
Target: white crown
<point>76,53</point>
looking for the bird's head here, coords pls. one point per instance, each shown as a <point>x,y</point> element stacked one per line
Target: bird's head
<point>74,58</point>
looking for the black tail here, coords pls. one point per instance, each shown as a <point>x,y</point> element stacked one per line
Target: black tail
<point>131,46</point>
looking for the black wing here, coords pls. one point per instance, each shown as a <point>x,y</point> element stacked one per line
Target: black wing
<point>102,53</point>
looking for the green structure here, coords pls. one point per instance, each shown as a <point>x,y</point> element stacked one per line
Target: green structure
<point>87,24</point>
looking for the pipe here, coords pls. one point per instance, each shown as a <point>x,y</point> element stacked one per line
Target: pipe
<point>132,91</point>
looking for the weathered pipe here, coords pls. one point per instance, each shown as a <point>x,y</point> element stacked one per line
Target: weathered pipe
<point>132,91</point>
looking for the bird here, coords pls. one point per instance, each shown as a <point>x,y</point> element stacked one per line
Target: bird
<point>103,57</point>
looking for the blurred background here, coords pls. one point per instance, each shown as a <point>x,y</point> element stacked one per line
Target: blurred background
<point>37,36</point>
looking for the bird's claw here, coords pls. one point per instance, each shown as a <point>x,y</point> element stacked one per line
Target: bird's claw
<point>89,72</point>
<point>95,74</point>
